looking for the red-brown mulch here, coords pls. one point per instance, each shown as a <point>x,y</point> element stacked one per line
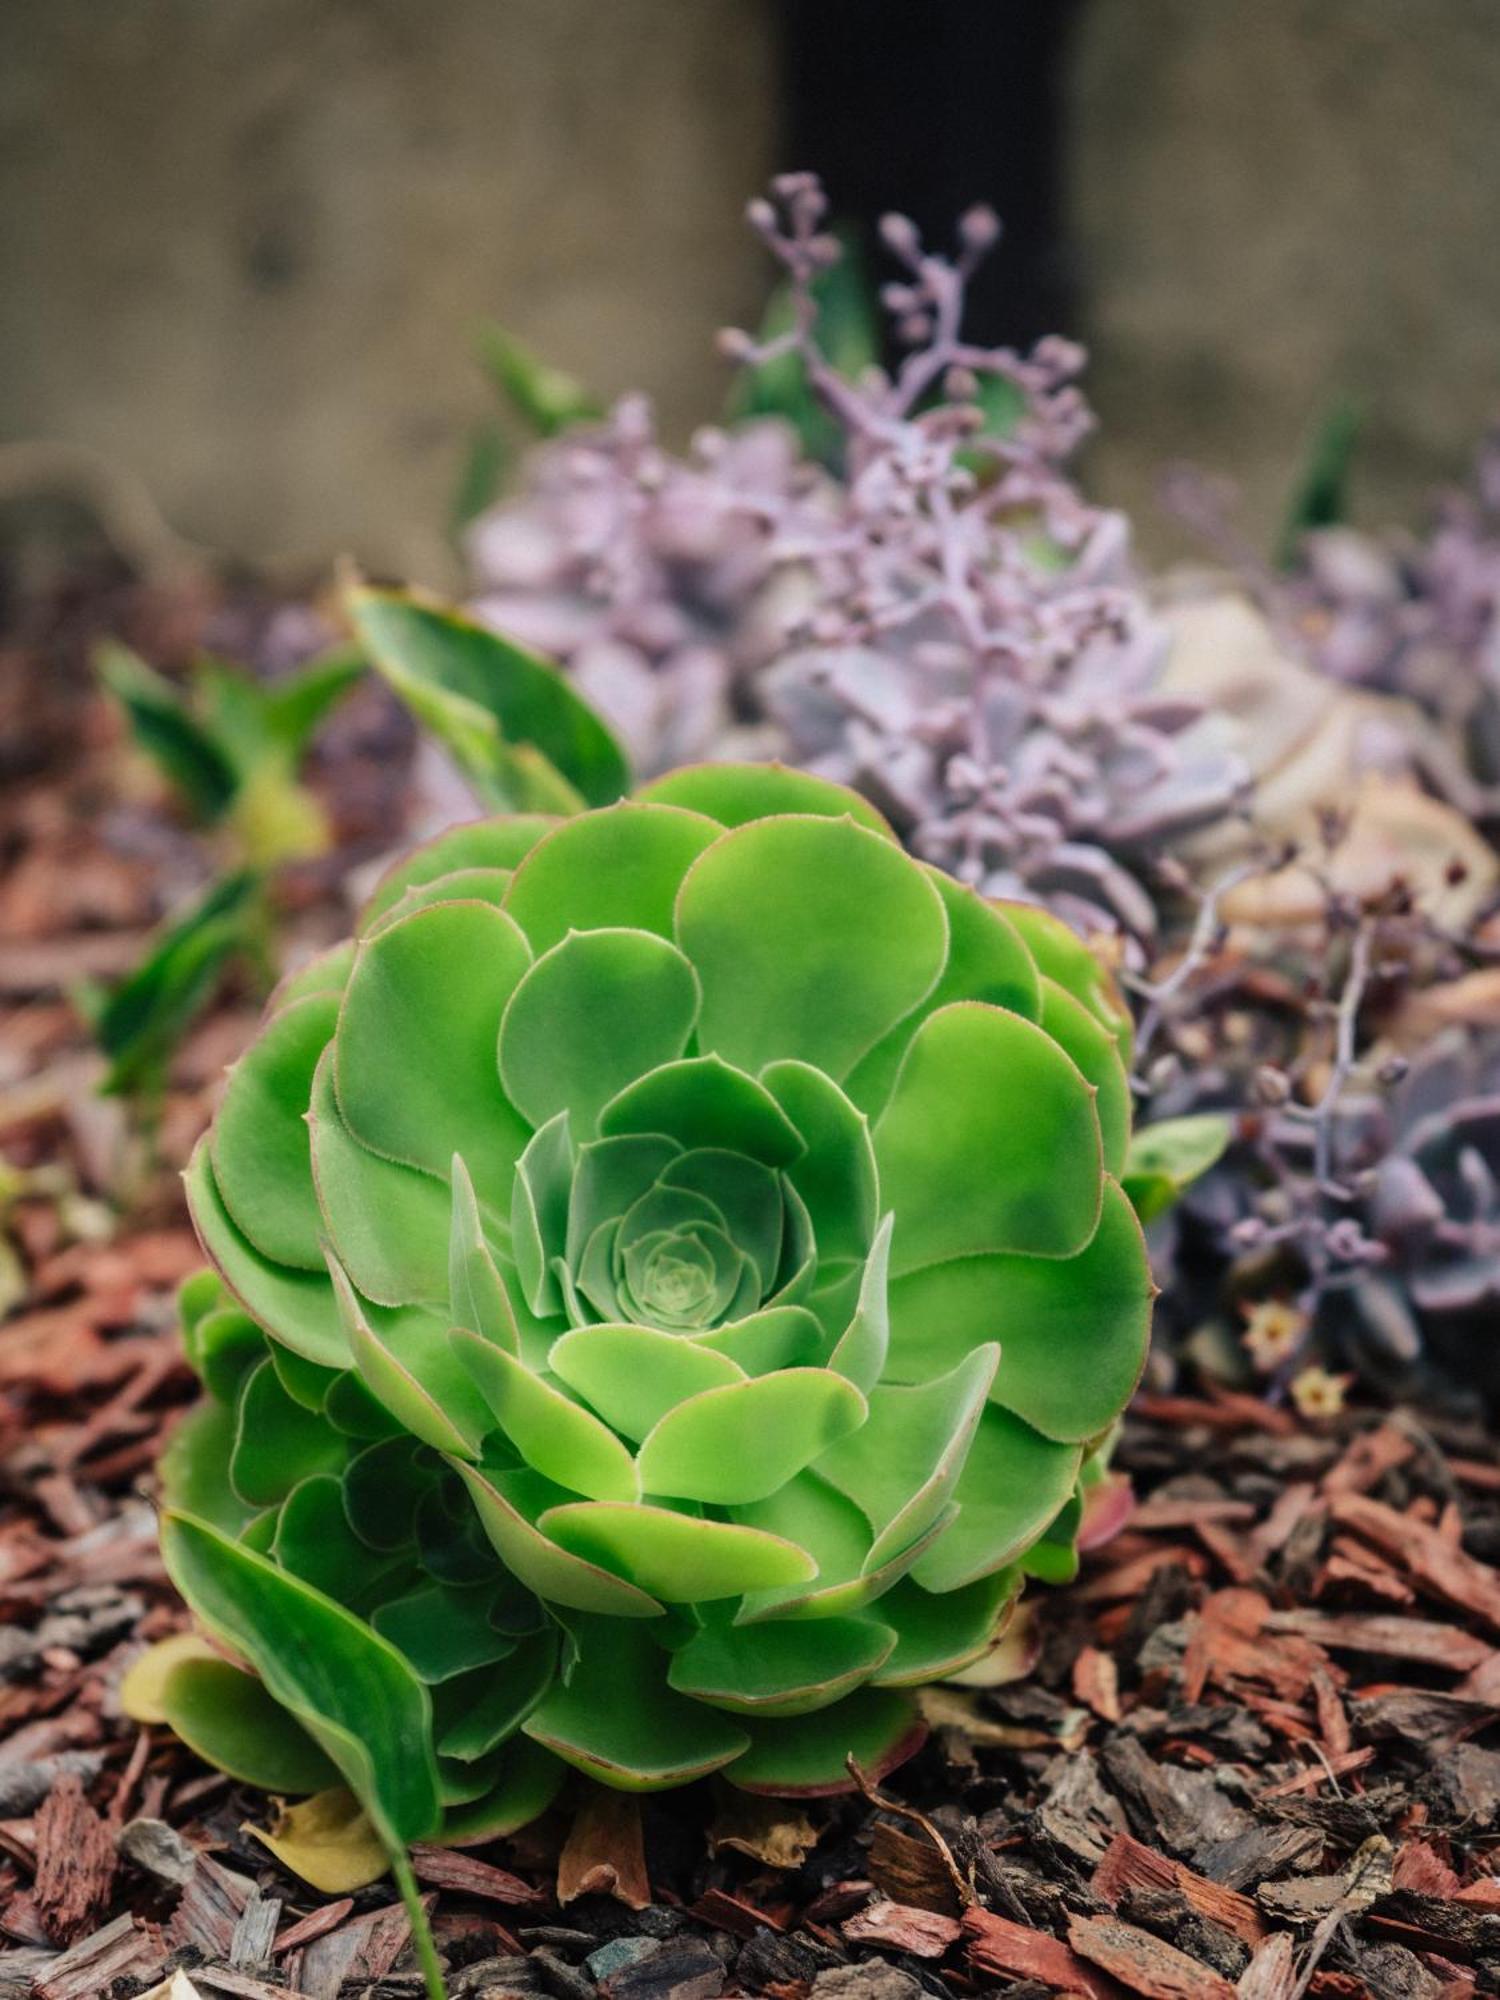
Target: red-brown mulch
<point>1257,1752</point>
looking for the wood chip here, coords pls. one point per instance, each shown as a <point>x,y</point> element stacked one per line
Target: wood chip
<point>1321,1773</point>
<point>1391,1638</point>
<point>124,1949</point>
<point>362,1950</point>
<point>1144,1963</point>
<point>899,1927</point>
<point>723,1912</point>
<point>996,1945</point>
<point>1129,1864</point>
<point>316,1924</point>
<point>604,1854</point>
<point>1368,1460</point>
<point>1426,1554</point>
<point>1272,1972</point>
<point>447,1868</point>
<point>75,1862</point>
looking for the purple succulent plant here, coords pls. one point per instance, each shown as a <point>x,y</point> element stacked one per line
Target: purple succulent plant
<point>1394,613</point>
<point>1355,1218</point>
<point>646,575</point>
<point>981,660</point>
<point>943,621</point>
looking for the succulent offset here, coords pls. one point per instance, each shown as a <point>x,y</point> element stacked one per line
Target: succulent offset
<point>671,1277</point>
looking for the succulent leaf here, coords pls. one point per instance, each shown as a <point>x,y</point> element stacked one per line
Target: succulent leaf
<point>668,1282</point>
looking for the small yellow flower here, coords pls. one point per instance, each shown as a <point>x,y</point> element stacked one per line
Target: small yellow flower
<point>1319,1394</point>
<point>1274,1330</point>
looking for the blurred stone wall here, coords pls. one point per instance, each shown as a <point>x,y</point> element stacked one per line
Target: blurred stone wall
<point>244,244</point>
<point>1277,201</point>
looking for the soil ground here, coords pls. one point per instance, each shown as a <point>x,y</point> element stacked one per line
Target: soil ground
<point>1255,1751</point>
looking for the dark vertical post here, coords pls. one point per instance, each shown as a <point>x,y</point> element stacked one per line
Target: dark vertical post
<point>928,106</point>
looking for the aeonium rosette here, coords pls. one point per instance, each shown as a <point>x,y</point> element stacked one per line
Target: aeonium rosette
<point>671,1277</point>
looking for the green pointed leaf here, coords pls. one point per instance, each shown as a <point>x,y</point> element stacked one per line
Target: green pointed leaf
<point>811,938</point>
<point>940,1634</point>
<point>633,1375</point>
<point>807,1756</point>
<point>139,1024</point>
<point>163,724</point>
<point>1073,1331</point>
<point>409,1368</point>
<point>903,1466</point>
<point>295,706</point>
<point>349,1689</point>
<point>1012,1483</point>
<point>1096,1052</point>
<point>477,1297</point>
<point>702,1101</point>
<point>556,1436</point>
<point>428,992</point>
<point>547,398</point>
<point>990,1142</point>
<point>617,1720</point>
<point>494,1705</point>
<point>414,643</point>
<point>736,794</point>
<point>835,1175</point>
<point>590,1016</point>
<point>508,1504</point>
<point>791,1667</point>
<point>492,846</point>
<point>680,1558</point>
<point>297,1307</point>
<point>862,1348</point>
<point>277,1442</point>
<point>1169,1156</point>
<point>443,1631</point>
<point>388,1224</point>
<point>259,1142</point>
<point>229,1720</point>
<point>621,867</point>
<point>742,1442</point>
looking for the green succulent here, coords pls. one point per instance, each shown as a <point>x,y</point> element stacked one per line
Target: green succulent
<point>670,1276</point>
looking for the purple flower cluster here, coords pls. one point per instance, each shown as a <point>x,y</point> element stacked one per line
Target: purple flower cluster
<point>1355,1219</point>
<point>943,621</point>
<point>647,576</point>
<point>1399,614</point>
<point>981,659</point>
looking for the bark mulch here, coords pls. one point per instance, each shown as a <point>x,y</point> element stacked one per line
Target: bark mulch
<point>1256,1752</point>
<point>1255,1755</point>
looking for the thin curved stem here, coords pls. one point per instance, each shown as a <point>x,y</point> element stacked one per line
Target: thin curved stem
<point>428,1962</point>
